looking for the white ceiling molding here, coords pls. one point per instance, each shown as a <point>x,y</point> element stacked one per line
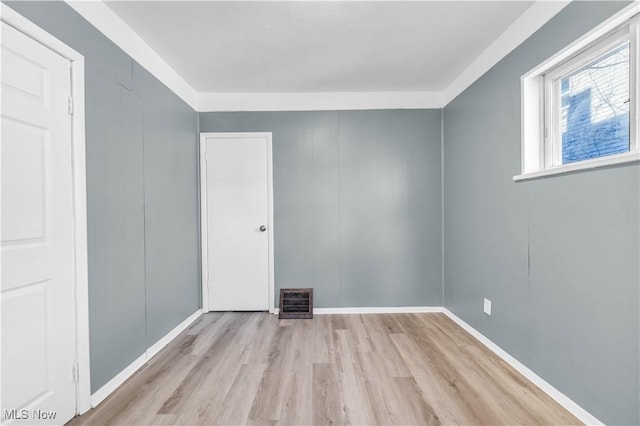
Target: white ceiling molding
<point>521,29</point>
<point>210,102</point>
<point>112,26</point>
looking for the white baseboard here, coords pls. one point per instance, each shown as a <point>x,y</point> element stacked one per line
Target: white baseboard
<point>157,347</point>
<point>566,402</point>
<point>106,390</point>
<point>379,310</point>
<point>374,310</point>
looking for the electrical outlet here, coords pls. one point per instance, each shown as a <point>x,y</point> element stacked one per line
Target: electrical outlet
<point>487,306</point>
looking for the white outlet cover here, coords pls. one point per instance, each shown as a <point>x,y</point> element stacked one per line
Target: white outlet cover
<point>487,306</point>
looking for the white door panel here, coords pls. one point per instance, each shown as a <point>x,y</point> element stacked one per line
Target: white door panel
<point>37,290</point>
<point>237,206</point>
<point>24,151</point>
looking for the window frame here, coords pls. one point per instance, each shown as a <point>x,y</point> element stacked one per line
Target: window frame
<point>553,94</point>
<point>542,147</point>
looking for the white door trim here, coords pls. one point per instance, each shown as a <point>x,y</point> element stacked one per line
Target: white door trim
<point>81,291</point>
<point>203,208</point>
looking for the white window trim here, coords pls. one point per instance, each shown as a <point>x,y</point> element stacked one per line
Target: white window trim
<point>533,162</point>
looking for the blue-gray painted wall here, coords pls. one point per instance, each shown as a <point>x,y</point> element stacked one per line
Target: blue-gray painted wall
<point>356,202</point>
<point>558,256</point>
<point>142,196</point>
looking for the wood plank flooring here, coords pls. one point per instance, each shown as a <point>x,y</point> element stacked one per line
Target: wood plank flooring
<point>251,368</point>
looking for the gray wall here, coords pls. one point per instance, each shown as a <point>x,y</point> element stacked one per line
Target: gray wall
<point>171,197</point>
<point>141,193</point>
<point>356,202</point>
<point>558,256</point>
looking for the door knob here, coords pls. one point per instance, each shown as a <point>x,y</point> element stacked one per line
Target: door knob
<point>263,228</point>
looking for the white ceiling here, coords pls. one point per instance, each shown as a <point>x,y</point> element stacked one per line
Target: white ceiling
<point>288,46</point>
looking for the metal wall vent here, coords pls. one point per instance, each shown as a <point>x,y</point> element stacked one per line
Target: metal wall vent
<point>296,303</point>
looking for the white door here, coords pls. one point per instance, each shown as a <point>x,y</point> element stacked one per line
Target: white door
<point>37,290</point>
<point>237,222</point>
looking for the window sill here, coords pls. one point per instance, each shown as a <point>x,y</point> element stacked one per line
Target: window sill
<point>630,157</point>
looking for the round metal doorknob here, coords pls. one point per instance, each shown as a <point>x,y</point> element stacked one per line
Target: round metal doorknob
<point>263,228</point>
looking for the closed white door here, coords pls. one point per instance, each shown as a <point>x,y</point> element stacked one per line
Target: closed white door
<point>37,290</point>
<point>237,223</point>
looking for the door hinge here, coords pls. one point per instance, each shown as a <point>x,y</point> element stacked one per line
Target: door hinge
<point>75,373</point>
<point>70,104</point>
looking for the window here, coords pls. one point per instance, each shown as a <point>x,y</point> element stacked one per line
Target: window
<point>580,106</point>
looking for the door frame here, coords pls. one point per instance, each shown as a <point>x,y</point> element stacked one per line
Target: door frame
<point>79,188</point>
<point>204,214</point>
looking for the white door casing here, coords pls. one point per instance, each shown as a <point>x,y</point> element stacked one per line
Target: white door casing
<point>53,233</point>
<point>236,192</point>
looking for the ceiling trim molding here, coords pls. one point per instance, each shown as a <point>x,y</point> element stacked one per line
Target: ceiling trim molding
<point>214,102</point>
<point>114,28</point>
<point>538,14</point>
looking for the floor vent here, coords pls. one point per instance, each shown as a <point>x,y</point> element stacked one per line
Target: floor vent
<point>296,303</point>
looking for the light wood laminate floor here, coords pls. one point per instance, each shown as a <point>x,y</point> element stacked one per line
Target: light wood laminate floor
<point>251,368</point>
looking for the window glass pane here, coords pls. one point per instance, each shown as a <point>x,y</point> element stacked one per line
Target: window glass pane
<point>595,108</point>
